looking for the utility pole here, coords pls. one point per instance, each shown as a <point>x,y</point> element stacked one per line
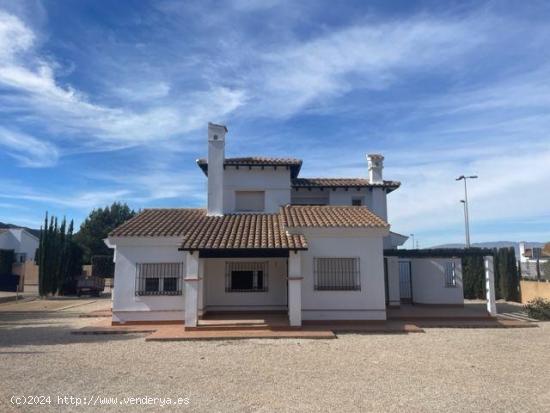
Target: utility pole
<point>465,201</point>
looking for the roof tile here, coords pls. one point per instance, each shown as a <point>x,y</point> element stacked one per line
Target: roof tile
<point>297,216</point>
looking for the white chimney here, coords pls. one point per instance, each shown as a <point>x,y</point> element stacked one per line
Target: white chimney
<point>376,164</point>
<point>216,157</point>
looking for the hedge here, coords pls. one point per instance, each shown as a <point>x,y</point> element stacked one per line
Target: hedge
<point>103,266</point>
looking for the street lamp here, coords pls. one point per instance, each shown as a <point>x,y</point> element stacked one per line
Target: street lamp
<point>465,201</point>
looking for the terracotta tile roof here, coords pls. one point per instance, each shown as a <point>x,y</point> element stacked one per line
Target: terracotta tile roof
<point>166,222</point>
<point>292,163</point>
<point>294,216</point>
<point>342,183</point>
<point>199,231</point>
<point>242,231</point>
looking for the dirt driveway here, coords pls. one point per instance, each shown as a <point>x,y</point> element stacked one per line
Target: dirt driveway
<point>466,370</point>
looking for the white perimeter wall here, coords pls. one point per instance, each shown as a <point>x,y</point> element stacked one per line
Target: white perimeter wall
<point>428,282</point>
<point>216,299</point>
<point>275,183</point>
<point>367,304</point>
<point>126,305</point>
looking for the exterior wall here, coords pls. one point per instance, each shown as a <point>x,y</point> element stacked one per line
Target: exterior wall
<point>428,282</point>
<point>366,304</point>
<point>343,197</point>
<point>275,183</point>
<point>533,289</point>
<point>217,299</point>
<point>20,241</point>
<point>126,305</point>
<point>305,196</point>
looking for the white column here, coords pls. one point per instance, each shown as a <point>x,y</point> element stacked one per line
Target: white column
<point>201,287</point>
<point>393,281</point>
<point>294,289</point>
<point>191,288</point>
<point>490,285</point>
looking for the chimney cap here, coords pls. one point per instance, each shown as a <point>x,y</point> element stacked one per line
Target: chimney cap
<point>215,125</point>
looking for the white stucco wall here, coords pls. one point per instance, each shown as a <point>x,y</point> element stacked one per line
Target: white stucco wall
<point>366,304</point>
<point>275,183</point>
<point>428,282</point>
<point>216,299</point>
<point>126,305</point>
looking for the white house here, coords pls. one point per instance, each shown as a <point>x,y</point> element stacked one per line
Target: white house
<point>270,240</point>
<point>21,241</point>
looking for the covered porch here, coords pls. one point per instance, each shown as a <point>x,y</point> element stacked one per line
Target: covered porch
<point>256,286</point>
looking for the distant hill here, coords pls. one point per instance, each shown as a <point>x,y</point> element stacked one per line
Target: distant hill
<point>494,244</point>
<point>35,232</point>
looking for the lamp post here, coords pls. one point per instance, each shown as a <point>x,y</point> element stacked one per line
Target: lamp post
<point>465,201</point>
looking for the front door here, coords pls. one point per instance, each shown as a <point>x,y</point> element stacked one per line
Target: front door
<point>405,286</point>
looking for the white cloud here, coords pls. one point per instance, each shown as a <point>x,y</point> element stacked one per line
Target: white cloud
<point>364,56</point>
<point>66,110</point>
<point>27,150</point>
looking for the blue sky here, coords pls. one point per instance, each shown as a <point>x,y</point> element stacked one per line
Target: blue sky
<point>104,101</point>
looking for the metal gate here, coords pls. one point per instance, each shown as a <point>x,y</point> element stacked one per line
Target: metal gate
<point>405,286</point>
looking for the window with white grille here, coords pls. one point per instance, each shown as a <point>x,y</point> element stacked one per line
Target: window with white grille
<point>337,274</point>
<point>159,278</point>
<point>246,277</point>
<point>450,274</point>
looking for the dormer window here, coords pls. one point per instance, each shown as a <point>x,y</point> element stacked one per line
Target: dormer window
<point>250,201</point>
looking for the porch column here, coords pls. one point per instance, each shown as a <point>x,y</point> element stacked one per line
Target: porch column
<point>295,289</point>
<point>191,288</point>
<point>201,288</point>
<point>490,285</point>
<point>394,295</point>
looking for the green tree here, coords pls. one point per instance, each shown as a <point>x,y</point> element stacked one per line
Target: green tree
<point>473,274</point>
<point>59,258</point>
<point>97,226</point>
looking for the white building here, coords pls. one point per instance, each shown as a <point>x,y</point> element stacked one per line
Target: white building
<point>270,240</point>
<point>21,241</point>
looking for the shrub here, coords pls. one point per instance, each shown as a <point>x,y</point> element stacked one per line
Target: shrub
<point>539,309</point>
<point>103,266</point>
<point>7,257</point>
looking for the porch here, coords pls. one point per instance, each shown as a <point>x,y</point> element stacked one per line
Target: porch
<point>250,289</point>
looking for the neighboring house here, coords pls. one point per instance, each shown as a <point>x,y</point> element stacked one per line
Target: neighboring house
<point>21,241</point>
<point>270,240</point>
<point>531,259</point>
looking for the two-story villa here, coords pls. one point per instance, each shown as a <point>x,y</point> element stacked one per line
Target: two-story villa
<point>269,240</point>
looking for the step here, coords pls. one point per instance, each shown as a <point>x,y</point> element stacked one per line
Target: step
<point>245,325</point>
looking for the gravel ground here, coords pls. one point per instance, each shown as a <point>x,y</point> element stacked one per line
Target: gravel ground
<point>466,370</point>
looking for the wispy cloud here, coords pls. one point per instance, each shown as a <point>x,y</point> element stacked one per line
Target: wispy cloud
<point>27,150</point>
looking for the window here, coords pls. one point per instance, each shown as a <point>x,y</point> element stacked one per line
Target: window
<point>337,274</point>
<point>450,274</point>
<point>356,202</point>
<point>250,201</point>
<point>159,278</point>
<point>245,277</point>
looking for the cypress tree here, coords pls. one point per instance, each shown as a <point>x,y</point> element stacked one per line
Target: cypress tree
<point>513,280</point>
<point>60,257</point>
<point>42,289</point>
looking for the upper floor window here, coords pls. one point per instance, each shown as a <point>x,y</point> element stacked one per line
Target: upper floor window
<point>357,201</point>
<point>250,201</point>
